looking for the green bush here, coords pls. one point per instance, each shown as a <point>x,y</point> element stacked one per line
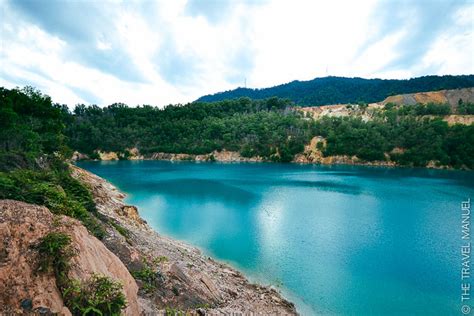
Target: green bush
<point>54,253</point>
<point>465,107</point>
<point>149,273</point>
<point>174,312</point>
<point>54,189</point>
<point>432,109</point>
<point>94,156</point>
<point>389,106</point>
<point>99,295</point>
<point>122,230</point>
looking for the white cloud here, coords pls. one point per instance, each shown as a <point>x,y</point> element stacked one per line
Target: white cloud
<point>182,55</point>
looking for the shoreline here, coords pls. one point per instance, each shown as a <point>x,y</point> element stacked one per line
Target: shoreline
<point>291,163</point>
<point>200,277</point>
<point>309,157</point>
<point>301,307</point>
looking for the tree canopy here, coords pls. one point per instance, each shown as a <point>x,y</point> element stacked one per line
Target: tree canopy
<point>252,127</point>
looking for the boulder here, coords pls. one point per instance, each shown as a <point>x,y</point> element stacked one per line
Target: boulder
<point>22,287</point>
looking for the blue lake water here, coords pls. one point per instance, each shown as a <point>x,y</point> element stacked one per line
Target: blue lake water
<point>337,240</point>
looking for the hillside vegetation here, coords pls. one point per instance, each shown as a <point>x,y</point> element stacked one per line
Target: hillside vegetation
<point>268,128</point>
<point>32,155</point>
<point>273,129</point>
<point>33,169</point>
<point>337,90</point>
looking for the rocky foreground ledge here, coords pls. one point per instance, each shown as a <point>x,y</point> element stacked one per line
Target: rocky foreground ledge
<point>183,278</point>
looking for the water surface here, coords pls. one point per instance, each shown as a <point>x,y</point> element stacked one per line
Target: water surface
<point>338,240</point>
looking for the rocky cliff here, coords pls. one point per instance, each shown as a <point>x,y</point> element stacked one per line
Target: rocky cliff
<point>313,154</point>
<point>22,288</point>
<point>450,97</point>
<point>223,156</point>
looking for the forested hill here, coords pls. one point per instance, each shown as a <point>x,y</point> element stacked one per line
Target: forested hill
<point>335,90</point>
<point>35,132</point>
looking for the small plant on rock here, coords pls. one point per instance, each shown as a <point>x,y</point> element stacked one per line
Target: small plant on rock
<point>55,251</point>
<point>99,295</point>
<point>149,273</point>
<point>174,312</point>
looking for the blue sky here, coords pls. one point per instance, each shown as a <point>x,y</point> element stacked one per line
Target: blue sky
<point>173,51</point>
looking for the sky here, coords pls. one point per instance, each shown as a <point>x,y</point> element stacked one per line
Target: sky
<point>174,51</point>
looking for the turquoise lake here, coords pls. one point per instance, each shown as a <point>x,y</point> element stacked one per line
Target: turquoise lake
<point>338,240</point>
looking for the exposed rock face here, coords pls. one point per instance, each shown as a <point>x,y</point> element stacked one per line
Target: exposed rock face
<point>109,200</point>
<point>93,257</point>
<point>450,97</point>
<point>135,154</point>
<point>233,156</point>
<point>108,155</point>
<point>175,157</point>
<point>223,156</point>
<point>22,225</point>
<point>130,212</point>
<point>341,110</point>
<point>435,164</point>
<point>187,280</point>
<point>459,119</point>
<point>312,154</point>
<point>79,156</point>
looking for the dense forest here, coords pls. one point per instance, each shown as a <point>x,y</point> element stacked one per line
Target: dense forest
<point>251,127</point>
<point>422,139</point>
<point>336,90</point>
<point>35,128</point>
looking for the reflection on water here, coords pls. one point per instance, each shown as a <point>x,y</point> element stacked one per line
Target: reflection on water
<point>340,240</point>
<point>319,185</point>
<point>199,189</point>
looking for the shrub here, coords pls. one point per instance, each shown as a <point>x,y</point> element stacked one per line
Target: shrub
<point>362,105</point>
<point>99,295</point>
<point>149,273</point>
<point>174,312</point>
<point>54,253</point>
<point>389,106</point>
<point>432,109</point>
<point>465,108</point>
<point>285,154</point>
<point>122,230</point>
<point>94,156</point>
<point>55,189</point>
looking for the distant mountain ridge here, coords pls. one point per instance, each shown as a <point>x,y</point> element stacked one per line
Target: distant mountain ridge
<point>335,90</point>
